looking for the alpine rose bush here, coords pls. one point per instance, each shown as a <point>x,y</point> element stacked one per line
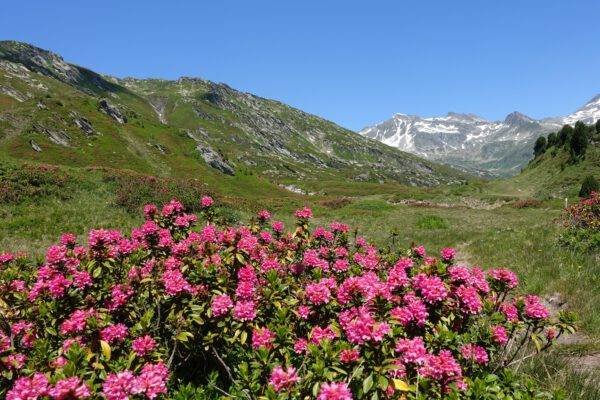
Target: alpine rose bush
<point>187,309</point>
<point>582,224</point>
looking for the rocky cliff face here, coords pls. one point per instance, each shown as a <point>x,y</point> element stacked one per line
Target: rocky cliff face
<point>474,143</point>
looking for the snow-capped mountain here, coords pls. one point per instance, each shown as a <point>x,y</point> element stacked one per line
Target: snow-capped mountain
<point>474,143</point>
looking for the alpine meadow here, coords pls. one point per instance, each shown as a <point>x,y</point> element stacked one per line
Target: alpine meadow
<point>183,239</point>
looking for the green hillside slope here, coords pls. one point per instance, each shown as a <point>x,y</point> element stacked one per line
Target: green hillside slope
<point>56,112</point>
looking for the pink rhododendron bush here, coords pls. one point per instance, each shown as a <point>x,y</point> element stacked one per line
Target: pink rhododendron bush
<point>181,308</point>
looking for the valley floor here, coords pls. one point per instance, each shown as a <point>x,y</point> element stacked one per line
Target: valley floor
<point>486,227</point>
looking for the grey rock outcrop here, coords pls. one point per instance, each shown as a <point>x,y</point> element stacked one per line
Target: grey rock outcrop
<point>35,146</point>
<point>84,124</point>
<point>214,159</point>
<point>55,136</point>
<point>112,111</point>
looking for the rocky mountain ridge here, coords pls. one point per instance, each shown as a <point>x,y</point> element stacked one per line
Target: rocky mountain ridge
<point>472,142</point>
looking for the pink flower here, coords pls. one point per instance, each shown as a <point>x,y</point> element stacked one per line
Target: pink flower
<point>277,226</point>
<point>244,311</point>
<point>318,334</point>
<point>459,274</point>
<point>442,368</point>
<point>174,282</point>
<point>318,293</point>
<point>419,251</point>
<point>119,296</point>
<point>206,201</point>
<point>114,333</point>
<point>29,388</point>
<point>431,287</point>
<point>474,353</point>
<point>348,356</point>
<point>220,305</point>
<point>15,361</point>
<point>510,312</point>
<point>499,334</point>
<point>5,258</point>
<point>70,388</point>
<point>152,380</point>
<point>311,258</point>
<point>412,351</point>
<point>448,254</point>
<point>68,240</point>
<point>262,338</point>
<point>334,391</point>
<point>504,277</point>
<point>301,346</point>
<point>360,326</point>
<point>339,227</point>
<point>143,345</point>
<point>283,379</point>
<point>82,279</point>
<point>341,265</point>
<point>534,309</point>
<point>173,207</point>
<point>75,323</point>
<point>469,299</point>
<point>264,215</point>
<point>305,213</point>
<point>150,210</point>
<point>119,386</point>
<point>304,312</point>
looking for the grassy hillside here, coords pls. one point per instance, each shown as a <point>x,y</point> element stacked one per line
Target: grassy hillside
<point>59,113</point>
<point>553,174</point>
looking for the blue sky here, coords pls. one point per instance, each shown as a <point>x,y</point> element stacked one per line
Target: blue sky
<point>355,63</point>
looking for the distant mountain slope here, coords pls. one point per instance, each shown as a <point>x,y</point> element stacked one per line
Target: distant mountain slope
<point>472,142</point>
<point>61,113</point>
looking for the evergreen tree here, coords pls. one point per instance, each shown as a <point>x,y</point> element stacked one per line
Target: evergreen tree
<point>540,146</point>
<point>589,185</point>
<point>564,135</point>
<point>598,127</point>
<point>579,140</point>
<point>552,139</point>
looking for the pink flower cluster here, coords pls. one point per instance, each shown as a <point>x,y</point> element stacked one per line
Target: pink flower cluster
<point>152,381</point>
<point>261,298</point>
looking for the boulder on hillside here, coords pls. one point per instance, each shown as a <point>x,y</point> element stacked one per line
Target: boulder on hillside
<point>214,159</point>
<point>35,146</point>
<point>84,124</point>
<point>112,111</point>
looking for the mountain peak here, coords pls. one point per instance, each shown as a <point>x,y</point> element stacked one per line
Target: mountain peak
<point>54,66</point>
<point>516,117</point>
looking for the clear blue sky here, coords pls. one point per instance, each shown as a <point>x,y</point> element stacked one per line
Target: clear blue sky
<point>355,63</point>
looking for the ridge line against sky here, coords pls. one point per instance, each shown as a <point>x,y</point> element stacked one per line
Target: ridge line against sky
<point>355,63</point>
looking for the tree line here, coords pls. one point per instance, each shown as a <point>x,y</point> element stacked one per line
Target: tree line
<point>574,139</point>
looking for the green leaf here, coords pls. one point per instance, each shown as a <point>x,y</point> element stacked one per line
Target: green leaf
<point>367,384</point>
<point>383,382</point>
<point>105,349</point>
<point>400,385</point>
<point>184,336</point>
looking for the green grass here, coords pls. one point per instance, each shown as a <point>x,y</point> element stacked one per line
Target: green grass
<point>432,222</point>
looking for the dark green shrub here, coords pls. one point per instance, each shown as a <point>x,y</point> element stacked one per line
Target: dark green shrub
<point>564,135</point>
<point>589,185</point>
<point>540,146</point>
<point>579,141</point>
